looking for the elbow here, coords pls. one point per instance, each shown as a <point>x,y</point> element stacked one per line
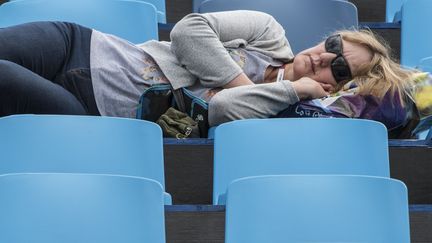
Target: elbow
<point>185,27</point>
<point>178,31</point>
<point>178,36</point>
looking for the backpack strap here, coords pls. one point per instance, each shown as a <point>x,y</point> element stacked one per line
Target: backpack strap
<point>179,99</point>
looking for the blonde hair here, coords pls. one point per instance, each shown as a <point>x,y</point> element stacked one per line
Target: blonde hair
<point>382,74</point>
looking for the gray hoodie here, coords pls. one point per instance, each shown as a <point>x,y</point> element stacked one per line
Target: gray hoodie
<point>197,53</point>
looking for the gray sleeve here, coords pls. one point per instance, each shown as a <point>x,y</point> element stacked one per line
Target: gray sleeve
<point>199,40</point>
<point>251,101</point>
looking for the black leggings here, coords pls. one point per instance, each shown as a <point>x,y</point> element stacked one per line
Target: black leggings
<point>45,69</point>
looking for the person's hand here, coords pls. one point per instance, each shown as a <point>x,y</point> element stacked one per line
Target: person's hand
<point>307,88</point>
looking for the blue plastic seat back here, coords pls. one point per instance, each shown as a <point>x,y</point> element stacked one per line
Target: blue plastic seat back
<point>159,5</point>
<point>196,5</point>
<point>135,21</point>
<point>298,146</point>
<point>160,8</point>
<point>81,144</point>
<point>306,22</point>
<point>415,38</point>
<point>425,135</point>
<point>425,64</point>
<point>393,8</point>
<point>317,208</point>
<point>72,208</point>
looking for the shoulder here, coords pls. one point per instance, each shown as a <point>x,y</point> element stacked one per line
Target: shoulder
<point>248,15</point>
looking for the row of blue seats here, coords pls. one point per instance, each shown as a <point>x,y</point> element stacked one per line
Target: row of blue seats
<point>107,145</point>
<point>393,8</point>
<point>137,20</point>
<point>70,208</point>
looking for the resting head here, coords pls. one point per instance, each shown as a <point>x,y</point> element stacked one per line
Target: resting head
<point>356,55</point>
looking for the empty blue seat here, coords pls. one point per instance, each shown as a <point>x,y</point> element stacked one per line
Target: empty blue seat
<point>297,146</point>
<point>81,144</point>
<point>71,208</point>
<point>135,21</point>
<point>317,208</point>
<point>159,4</point>
<point>415,38</point>
<point>306,22</point>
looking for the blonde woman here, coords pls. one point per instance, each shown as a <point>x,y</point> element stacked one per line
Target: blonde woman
<point>240,62</point>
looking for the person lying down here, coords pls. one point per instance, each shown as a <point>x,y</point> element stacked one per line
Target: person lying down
<point>239,62</point>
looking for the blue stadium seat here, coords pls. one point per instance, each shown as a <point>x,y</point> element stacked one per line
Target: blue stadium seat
<point>425,64</point>
<point>297,146</point>
<point>196,5</point>
<point>415,38</point>
<point>306,22</point>
<point>393,8</point>
<point>81,144</point>
<point>159,4</point>
<point>71,208</point>
<point>160,8</point>
<point>135,21</point>
<point>317,208</point>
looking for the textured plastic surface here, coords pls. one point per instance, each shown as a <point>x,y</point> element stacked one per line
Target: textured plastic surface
<point>135,21</point>
<point>393,8</point>
<point>71,208</point>
<point>281,209</point>
<point>81,144</point>
<point>425,64</point>
<point>415,39</point>
<point>298,146</point>
<point>159,5</point>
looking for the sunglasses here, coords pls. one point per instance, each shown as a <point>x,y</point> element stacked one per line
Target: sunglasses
<point>339,66</point>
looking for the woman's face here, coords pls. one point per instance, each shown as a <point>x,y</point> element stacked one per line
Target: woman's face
<point>315,62</point>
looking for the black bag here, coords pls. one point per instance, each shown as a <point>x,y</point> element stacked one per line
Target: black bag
<point>157,99</point>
